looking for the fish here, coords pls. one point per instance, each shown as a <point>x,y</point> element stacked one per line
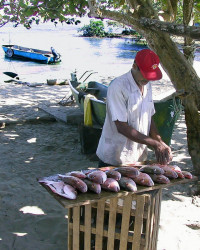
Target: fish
<point>62,189</point>
<point>130,172</point>
<point>111,185</point>
<point>143,179</point>
<point>49,178</point>
<point>159,178</point>
<point>69,192</point>
<point>92,186</point>
<point>87,171</point>
<point>127,184</point>
<point>78,174</point>
<point>177,170</point>
<point>113,174</point>
<point>187,174</point>
<point>169,172</point>
<point>152,169</point>
<point>74,182</point>
<point>97,176</point>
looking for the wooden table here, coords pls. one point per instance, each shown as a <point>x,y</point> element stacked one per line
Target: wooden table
<point>112,221</point>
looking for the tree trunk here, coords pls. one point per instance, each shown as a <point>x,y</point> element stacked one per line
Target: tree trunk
<point>182,75</point>
<point>184,79</point>
<point>189,47</point>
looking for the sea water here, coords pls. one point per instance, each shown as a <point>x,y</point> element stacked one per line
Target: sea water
<point>103,57</point>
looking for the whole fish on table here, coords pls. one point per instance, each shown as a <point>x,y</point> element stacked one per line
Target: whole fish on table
<point>130,172</point>
<point>152,169</point>
<point>49,178</point>
<point>74,182</point>
<point>62,189</point>
<point>113,174</point>
<point>159,178</point>
<point>177,170</point>
<point>127,184</point>
<point>111,185</point>
<point>92,186</point>
<point>187,174</point>
<point>171,174</point>
<point>78,174</point>
<point>143,179</point>
<point>97,176</point>
<point>87,171</point>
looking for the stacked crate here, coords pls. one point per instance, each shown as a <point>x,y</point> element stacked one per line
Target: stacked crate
<point>129,222</point>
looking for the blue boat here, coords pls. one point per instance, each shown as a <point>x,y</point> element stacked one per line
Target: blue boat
<point>41,56</point>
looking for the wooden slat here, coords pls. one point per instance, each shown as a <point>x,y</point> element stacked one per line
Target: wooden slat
<point>153,219</point>
<point>76,226</point>
<point>70,231</point>
<point>87,228</point>
<point>119,209</point>
<point>148,218</point>
<point>157,218</point>
<point>105,234</point>
<point>112,223</point>
<point>99,225</point>
<point>125,222</point>
<point>138,225</point>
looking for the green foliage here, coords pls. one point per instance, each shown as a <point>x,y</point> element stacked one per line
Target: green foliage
<point>27,12</point>
<point>128,31</point>
<point>95,28</point>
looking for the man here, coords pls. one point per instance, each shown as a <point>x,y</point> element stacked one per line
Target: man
<point>129,127</point>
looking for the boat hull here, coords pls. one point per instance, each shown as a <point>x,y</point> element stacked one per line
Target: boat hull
<point>167,111</point>
<point>23,53</point>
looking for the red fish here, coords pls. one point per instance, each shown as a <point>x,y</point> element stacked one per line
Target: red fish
<point>127,184</point>
<point>169,172</point>
<point>128,171</point>
<point>187,174</point>
<point>92,186</point>
<point>159,178</point>
<point>87,171</point>
<point>113,174</point>
<point>78,174</point>
<point>152,169</point>
<point>143,179</point>
<point>97,176</point>
<point>177,170</point>
<point>62,189</point>
<point>74,182</point>
<point>111,185</point>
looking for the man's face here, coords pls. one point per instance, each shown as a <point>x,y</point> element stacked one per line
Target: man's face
<point>140,80</point>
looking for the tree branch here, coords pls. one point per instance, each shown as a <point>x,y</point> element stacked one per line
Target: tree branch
<point>143,23</point>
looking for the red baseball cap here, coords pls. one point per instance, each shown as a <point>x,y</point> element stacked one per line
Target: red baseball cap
<point>148,62</point>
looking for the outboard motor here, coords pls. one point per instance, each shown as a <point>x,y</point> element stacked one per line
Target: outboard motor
<point>56,55</point>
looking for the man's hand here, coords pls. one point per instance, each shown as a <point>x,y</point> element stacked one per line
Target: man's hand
<point>163,153</point>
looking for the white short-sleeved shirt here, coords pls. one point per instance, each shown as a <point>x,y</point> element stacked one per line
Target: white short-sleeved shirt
<point>125,103</point>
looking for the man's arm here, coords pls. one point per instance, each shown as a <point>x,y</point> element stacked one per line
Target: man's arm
<point>162,151</point>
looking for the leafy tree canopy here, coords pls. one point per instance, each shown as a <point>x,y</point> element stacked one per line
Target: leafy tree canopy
<point>28,11</point>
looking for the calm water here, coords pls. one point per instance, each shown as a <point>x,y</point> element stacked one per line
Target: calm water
<point>108,57</point>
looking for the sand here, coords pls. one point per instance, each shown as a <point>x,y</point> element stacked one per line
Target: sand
<point>36,143</point>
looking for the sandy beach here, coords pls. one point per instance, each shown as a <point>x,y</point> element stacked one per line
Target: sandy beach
<point>38,140</point>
